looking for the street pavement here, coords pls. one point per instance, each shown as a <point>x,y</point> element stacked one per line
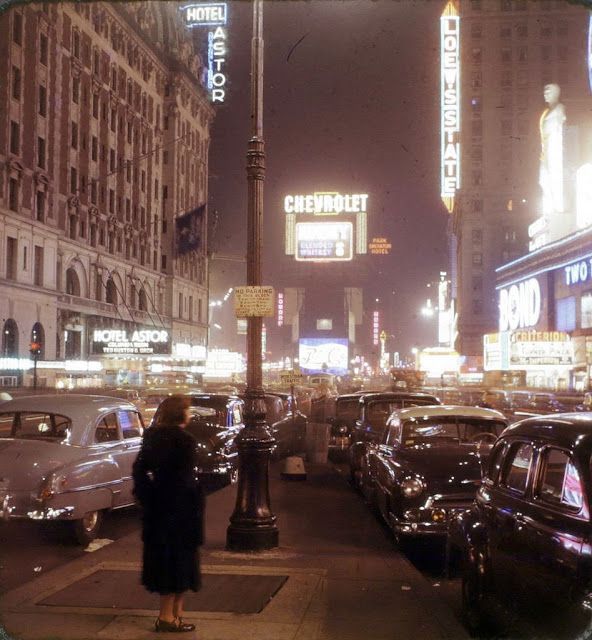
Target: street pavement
<point>335,575</point>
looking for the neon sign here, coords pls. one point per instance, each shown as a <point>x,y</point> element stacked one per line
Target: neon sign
<point>375,327</point>
<point>450,104</point>
<point>326,203</point>
<point>213,15</point>
<point>520,305</point>
<point>324,241</point>
<point>579,272</point>
<point>280,309</point>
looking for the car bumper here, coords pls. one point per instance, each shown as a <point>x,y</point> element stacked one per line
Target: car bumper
<point>426,521</point>
<point>20,506</point>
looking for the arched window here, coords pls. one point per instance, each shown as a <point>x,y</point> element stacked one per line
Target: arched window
<point>72,282</point>
<point>38,336</point>
<point>10,339</point>
<point>142,301</point>
<point>111,292</point>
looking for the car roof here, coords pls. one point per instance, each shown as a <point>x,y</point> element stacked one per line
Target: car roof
<point>83,410</point>
<point>396,395</point>
<point>566,429</point>
<point>448,410</point>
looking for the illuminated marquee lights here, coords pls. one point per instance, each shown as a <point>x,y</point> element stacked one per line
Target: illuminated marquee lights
<point>375,327</point>
<point>213,15</point>
<point>324,241</point>
<point>450,103</point>
<point>280,309</point>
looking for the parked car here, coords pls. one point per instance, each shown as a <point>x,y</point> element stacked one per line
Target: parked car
<point>216,420</point>
<point>527,540</point>
<point>428,465</point>
<point>347,411</point>
<point>286,423</point>
<point>498,399</point>
<point>374,411</point>
<point>67,457</point>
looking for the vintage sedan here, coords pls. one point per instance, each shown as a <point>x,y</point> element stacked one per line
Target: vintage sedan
<point>216,420</point>
<point>67,457</point>
<point>374,410</point>
<point>428,465</point>
<point>527,540</point>
<point>286,424</point>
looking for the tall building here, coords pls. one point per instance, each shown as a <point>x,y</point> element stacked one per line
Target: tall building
<point>497,56</point>
<point>104,137</point>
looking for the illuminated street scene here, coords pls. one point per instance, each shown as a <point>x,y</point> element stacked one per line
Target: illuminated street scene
<point>324,266</point>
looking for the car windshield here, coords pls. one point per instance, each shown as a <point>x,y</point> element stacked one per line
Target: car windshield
<point>438,430</point>
<point>378,412</point>
<point>348,409</point>
<point>34,425</point>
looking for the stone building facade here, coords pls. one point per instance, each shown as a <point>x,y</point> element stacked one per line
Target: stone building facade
<point>104,137</point>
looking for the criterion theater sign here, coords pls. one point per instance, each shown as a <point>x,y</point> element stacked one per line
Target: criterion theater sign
<point>123,342</point>
<point>450,104</point>
<point>212,15</point>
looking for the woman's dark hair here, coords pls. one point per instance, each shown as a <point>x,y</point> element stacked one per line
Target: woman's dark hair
<point>171,411</point>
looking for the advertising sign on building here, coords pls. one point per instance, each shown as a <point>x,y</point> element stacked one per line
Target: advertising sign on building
<point>380,247</point>
<point>253,302</point>
<point>213,15</point>
<point>130,342</point>
<point>318,355</point>
<point>520,305</point>
<point>324,241</point>
<point>540,348</point>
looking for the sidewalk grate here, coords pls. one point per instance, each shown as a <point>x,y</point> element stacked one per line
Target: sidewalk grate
<point>220,592</point>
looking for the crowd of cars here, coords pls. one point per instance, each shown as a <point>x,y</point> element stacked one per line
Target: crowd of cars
<point>68,457</point>
<point>509,495</point>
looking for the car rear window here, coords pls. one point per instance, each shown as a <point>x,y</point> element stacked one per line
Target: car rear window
<point>34,425</point>
<point>438,429</point>
<point>560,481</point>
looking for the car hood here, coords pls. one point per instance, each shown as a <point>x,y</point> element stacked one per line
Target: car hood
<point>447,467</point>
<point>24,463</point>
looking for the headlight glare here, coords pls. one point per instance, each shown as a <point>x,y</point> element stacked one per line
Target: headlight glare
<point>412,487</point>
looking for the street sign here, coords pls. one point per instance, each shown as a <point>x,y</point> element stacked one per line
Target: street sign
<point>291,378</point>
<point>253,302</point>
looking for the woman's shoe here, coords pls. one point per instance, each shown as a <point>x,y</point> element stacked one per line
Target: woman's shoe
<point>176,626</point>
<point>185,626</point>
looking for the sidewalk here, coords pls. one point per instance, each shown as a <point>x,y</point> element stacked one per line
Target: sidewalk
<point>335,576</point>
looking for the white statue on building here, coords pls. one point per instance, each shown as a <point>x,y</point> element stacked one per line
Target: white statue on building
<point>551,167</point>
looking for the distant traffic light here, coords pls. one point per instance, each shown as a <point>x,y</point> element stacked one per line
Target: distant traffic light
<point>35,348</point>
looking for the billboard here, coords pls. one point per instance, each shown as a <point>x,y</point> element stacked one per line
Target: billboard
<point>122,341</point>
<point>324,355</point>
<point>324,241</point>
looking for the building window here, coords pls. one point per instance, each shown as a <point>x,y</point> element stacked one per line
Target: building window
<point>14,137</point>
<point>506,56</point>
<point>42,100</point>
<point>41,152</point>
<point>477,205</point>
<point>94,148</point>
<point>163,263</point>
<point>75,90</point>
<point>74,136</point>
<point>477,237</point>
<point>505,5</point>
<point>76,44</point>
<point>43,50</point>
<point>10,339</point>
<point>40,206</point>
<point>16,83</point>
<point>93,237</point>
<point>113,119</point>
<point>505,31</point>
<point>13,194</point>
<point>38,267</point>
<point>95,105</point>
<point>17,28</point>
<point>11,255</point>
<point>476,178</point>
<point>111,159</point>
<point>586,310</point>
<point>111,201</point>
<point>522,30</point>
<point>506,78</point>
<point>476,80</point>
<point>477,259</point>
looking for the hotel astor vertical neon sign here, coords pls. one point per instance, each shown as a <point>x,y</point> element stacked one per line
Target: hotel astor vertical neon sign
<point>450,103</point>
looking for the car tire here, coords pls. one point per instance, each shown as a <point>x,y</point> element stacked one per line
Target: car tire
<point>475,590</point>
<point>86,529</point>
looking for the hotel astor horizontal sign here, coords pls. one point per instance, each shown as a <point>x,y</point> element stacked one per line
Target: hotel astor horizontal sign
<point>125,342</point>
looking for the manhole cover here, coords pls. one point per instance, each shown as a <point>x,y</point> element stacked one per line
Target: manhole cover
<point>117,589</point>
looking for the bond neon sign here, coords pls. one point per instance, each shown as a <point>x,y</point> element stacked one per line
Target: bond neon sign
<point>450,104</point>
<point>520,305</point>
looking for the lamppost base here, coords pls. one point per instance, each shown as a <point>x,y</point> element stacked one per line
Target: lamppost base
<point>255,538</point>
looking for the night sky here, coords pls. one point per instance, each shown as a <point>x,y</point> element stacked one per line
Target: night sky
<point>353,107</point>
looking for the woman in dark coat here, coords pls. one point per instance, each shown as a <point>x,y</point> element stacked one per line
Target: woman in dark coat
<point>172,500</point>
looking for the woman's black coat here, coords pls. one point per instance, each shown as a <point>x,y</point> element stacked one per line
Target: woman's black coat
<point>166,485</point>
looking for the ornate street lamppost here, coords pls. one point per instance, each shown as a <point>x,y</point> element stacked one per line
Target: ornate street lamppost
<point>252,524</point>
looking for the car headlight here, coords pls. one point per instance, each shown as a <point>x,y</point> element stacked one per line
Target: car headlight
<point>52,484</point>
<point>412,487</point>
